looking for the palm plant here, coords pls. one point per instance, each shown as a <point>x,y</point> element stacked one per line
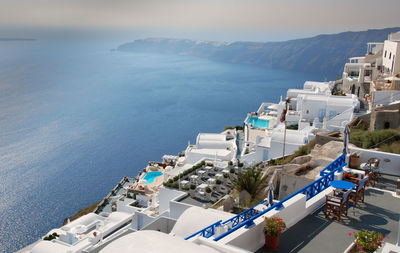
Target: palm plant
<point>249,181</point>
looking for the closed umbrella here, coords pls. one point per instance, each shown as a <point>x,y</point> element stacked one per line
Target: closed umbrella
<point>346,139</point>
<point>271,195</point>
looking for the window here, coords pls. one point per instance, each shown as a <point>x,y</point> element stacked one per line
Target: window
<point>385,53</point>
<point>390,55</point>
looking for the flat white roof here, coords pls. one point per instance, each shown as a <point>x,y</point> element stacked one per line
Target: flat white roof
<point>211,137</point>
<point>196,218</point>
<point>208,151</point>
<point>148,241</point>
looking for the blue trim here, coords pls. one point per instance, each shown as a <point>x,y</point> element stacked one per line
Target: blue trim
<point>246,218</point>
<point>206,232</point>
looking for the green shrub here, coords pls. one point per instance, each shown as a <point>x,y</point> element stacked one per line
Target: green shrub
<point>374,139</point>
<point>230,163</point>
<point>175,185</point>
<point>293,127</point>
<point>210,164</point>
<point>170,181</point>
<point>192,187</point>
<point>228,127</point>
<point>232,170</point>
<point>239,127</point>
<point>208,189</point>
<point>249,181</point>
<point>218,181</point>
<point>176,178</point>
<point>240,165</point>
<point>135,204</point>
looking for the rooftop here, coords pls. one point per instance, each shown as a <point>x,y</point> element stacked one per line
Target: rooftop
<point>315,233</point>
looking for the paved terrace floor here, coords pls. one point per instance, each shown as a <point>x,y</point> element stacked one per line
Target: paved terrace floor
<point>315,233</point>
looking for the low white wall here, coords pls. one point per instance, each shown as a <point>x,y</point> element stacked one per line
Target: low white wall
<point>218,246</point>
<point>253,158</point>
<point>125,207</point>
<point>295,209</point>
<point>277,149</point>
<point>250,239</point>
<point>177,208</point>
<point>389,163</point>
<point>143,220</point>
<point>165,195</point>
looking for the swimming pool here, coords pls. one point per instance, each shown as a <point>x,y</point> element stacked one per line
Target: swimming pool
<point>150,176</point>
<point>257,123</point>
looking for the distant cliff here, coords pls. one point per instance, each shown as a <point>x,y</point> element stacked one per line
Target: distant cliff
<point>322,53</point>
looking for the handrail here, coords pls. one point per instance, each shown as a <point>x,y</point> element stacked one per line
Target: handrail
<point>206,232</point>
<point>246,218</point>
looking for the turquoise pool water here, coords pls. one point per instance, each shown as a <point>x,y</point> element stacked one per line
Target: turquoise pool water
<point>150,176</point>
<point>258,123</point>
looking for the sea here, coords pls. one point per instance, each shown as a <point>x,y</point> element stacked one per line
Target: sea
<point>76,116</point>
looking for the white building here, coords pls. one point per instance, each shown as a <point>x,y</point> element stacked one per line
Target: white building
<point>391,54</point>
<point>310,108</point>
<point>317,106</point>
<point>85,234</point>
<point>209,146</point>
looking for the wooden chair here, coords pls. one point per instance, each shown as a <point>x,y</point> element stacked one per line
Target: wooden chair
<point>359,192</point>
<point>371,168</point>
<point>336,205</point>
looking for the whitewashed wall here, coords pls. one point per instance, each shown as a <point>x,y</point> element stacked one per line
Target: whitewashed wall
<point>389,164</point>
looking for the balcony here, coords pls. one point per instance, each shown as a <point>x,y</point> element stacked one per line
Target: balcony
<point>315,233</point>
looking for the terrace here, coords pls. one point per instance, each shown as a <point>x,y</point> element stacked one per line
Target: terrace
<point>303,212</point>
<point>315,233</point>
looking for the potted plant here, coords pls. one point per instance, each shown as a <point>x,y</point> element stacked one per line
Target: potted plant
<point>209,192</point>
<point>232,174</point>
<point>350,176</point>
<point>192,189</point>
<point>354,161</point>
<point>366,241</point>
<point>219,182</point>
<point>273,228</point>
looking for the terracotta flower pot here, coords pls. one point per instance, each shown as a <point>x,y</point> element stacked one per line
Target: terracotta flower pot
<point>272,242</point>
<point>354,162</point>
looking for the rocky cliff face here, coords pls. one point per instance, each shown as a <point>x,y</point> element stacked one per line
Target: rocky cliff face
<point>322,53</point>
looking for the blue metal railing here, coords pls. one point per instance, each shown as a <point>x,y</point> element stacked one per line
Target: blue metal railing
<point>206,232</point>
<point>247,217</point>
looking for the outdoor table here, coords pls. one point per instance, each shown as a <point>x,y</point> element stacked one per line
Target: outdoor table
<point>219,175</point>
<point>208,168</point>
<point>342,184</point>
<point>202,186</point>
<point>194,178</point>
<point>184,182</point>
<point>211,181</point>
<point>225,171</point>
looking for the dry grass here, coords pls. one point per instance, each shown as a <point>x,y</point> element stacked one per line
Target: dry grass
<point>83,211</point>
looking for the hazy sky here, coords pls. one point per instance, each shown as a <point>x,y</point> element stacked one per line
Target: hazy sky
<point>233,19</point>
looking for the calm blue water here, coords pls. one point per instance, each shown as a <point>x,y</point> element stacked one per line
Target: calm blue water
<point>76,117</point>
<point>150,176</point>
<point>258,123</point>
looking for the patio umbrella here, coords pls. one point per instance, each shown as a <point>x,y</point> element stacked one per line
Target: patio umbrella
<point>271,195</point>
<point>346,139</point>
